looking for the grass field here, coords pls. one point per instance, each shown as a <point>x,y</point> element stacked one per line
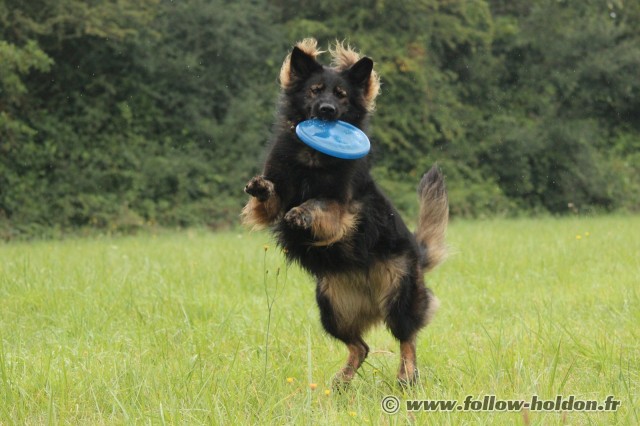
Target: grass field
<point>174,328</point>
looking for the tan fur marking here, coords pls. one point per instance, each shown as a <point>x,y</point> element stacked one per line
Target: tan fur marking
<point>360,300</point>
<point>309,157</point>
<point>386,276</point>
<point>329,221</point>
<point>260,214</point>
<point>334,222</point>
<point>316,88</point>
<point>353,300</point>
<point>356,357</point>
<point>340,92</point>
<point>407,372</point>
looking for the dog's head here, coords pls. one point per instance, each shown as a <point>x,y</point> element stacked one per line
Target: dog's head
<point>346,90</point>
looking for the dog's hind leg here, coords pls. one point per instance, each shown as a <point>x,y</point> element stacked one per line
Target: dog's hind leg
<point>345,317</point>
<point>358,351</point>
<point>408,371</point>
<point>409,309</point>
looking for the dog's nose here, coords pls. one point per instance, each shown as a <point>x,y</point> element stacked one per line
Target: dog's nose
<point>327,109</point>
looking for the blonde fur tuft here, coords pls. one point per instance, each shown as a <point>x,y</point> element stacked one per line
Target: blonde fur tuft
<point>308,46</point>
<point>344,57</point>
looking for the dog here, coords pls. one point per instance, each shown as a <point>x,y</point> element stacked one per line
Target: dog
<point>329,215</point>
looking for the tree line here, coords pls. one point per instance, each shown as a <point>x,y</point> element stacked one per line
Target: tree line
<point>119,115</point>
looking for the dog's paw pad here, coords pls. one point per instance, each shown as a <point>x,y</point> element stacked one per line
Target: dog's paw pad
<point>299,218</point>
<point>260,188</point>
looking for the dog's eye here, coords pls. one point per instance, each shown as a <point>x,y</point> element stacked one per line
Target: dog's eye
<point>340,92</point>
<point>315,89</point>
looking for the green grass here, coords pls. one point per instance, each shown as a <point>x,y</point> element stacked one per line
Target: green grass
<point>172,329</point>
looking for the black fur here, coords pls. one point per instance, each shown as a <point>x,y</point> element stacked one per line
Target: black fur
<point>381,232</point>
<point>300,174</point>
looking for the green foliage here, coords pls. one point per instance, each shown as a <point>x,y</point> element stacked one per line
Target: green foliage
<point>123,114</point>
<point>564,89</point>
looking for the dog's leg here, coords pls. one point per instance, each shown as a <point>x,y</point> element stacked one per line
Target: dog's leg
<point>264,206</point>
<point>358,351</point>
<point>409,309</point>
<point>408,371</point>
<point>329,220</point>
<point>343,317</point>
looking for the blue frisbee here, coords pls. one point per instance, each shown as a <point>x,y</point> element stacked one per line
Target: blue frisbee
<point>334,138</point>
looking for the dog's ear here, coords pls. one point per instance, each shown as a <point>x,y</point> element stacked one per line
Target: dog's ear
<point>302,64</point>
<point>360,72</point>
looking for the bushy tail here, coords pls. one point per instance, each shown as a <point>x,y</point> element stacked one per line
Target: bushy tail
<point>434,216</point>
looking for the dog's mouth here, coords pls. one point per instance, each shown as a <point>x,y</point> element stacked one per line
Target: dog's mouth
<point>323,118</point>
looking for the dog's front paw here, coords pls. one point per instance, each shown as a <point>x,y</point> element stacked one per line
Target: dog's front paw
<point>299,217</point>
<point>259,187</point>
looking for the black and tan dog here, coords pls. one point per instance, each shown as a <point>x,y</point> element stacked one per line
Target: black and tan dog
<point>329,215</point>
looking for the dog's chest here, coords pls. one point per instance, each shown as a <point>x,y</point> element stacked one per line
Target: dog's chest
<point>315,177</point>
<point>310,158</point>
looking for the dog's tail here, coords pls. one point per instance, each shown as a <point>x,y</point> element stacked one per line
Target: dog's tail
<point>434,217</point>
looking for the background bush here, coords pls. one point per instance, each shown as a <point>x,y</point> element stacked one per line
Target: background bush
<point>121,115</point>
